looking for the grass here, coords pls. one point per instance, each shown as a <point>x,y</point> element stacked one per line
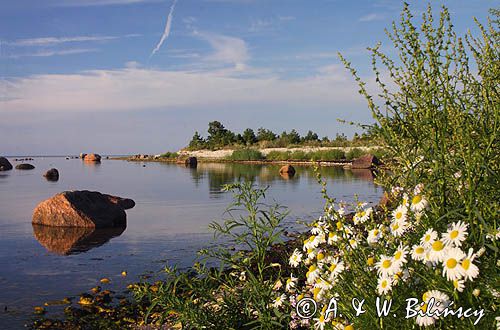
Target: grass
<point>246,154</point>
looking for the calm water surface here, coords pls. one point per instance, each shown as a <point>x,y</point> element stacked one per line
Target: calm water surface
<point>174,206</point>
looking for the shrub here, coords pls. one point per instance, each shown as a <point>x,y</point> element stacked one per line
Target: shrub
<point>354,153</point>
<point>246,154</point>
<point>170,155</point>
<point>279,155</point>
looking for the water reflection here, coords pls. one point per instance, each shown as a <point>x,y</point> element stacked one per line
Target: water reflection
<point>73,240</point>
<point>220,174</point>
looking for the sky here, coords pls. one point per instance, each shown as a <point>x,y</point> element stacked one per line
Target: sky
<point>140,76</point>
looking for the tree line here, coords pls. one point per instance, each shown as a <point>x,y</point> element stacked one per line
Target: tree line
<point>220,137</point>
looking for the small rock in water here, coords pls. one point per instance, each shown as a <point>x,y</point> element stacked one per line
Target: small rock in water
<point>52,174</point>
<point>25,167</point>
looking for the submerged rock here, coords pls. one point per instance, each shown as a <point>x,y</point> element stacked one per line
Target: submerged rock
<point>52,174</point>
<point>25,167</point>
<point>5,165</point>
<point>82,155</point>
<point>82,209</point>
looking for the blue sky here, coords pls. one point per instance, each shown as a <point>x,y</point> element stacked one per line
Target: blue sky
<point>78,75</point>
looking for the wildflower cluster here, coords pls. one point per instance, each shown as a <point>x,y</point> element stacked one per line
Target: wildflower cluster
<point>386,250</point>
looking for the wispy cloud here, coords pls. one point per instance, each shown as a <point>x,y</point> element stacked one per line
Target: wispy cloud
<point>48,41</point>
<point>168,26</point>
<point>371,17</point>
<point>89,3</point>
<point>49,53</point>
<point>134,89</point>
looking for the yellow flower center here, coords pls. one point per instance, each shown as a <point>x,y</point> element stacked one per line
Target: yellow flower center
<point>320,256</point>
<point>399,215</point>
<point>331,235</point>
<point>321,319</point>
<point>349,327</point>
<point>383,284</point>
<point>370,261</point>
<point>466,264</point>
<point>300,296</point>
<point>312,268</point>
<point>455,284</point>
<point>425,296</point>
<point>437,246</point>
<point>454,234</point>
<point>332,267</point>
<point>427,237</point>
<point>375,232</point>
<point>451,263</point>
<point>339,225</point>
<point>386,264</point>
<point>395,226</point>
<point>397,256</point>
<point>424,308</point>
<point>363,214</point>
<point>416,199</point>
<point>419,250</point>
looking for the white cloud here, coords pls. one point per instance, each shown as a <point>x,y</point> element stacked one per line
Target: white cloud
<point>137,89</point>
<point>47,41</point>
<point>226,49</point>
<point>49,53</point>
<point>371,17</point>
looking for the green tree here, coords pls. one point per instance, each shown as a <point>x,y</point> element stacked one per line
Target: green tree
<point>249,136</point>
<point>310,136</point>
<point>265,135</point>
<point>218,135</point>
<point>197,142</point>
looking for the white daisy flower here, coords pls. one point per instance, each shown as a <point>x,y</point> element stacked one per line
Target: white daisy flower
<point>437,251</point>
<point>429,237</point>
<point>312,274</point>
<point>470,270</point>
<point>456,234</point>
<point>451,264</point>
<point>336,267</point>
<point>362,216</point>
<point>398,228</point>
<point>295,258</point>
<point>459,285</point>
<point>374,235</point>
<point>384,285</point>
<point>405,201</point>
<point>320,322</point>
<point>353,243</point>
<point>291,283</point>
<point>418,252</point>
<point>399,214</point>
<point>323,284</point>
<point>418,203</point>
<point>386,266</point>
<point>332,238</point>
<point>311,253</point>
<point>279,300</point>
<point>434,300</point>
<point>400,255</point>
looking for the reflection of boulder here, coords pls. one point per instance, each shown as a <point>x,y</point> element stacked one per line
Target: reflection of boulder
<point>82,209</point>
<point>25,167</point>
<point>287,176</point>
<point>363,174</point>
<point>72,240</point>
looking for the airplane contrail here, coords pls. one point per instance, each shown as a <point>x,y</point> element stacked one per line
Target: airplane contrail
<point>166,33</point>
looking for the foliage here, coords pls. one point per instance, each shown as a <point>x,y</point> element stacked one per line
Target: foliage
<point>246,154</point>
<point>437,238</point>
<point>169,155</point>
<point>354,153</point>
<point>235,295</point>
